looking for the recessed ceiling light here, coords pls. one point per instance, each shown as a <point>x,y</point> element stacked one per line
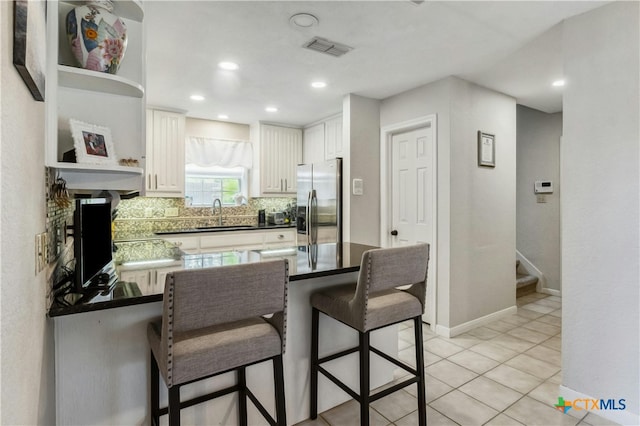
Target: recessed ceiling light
<point>318,84</point>
<point>558,83</point>
<point>303,20</point>
<point>230,66</point>
<point>197,98</point>
<point>223,116</point>
<point>271,109</point>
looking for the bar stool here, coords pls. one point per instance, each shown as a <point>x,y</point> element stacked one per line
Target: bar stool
<point>372,303</point>
<point>213,321</point>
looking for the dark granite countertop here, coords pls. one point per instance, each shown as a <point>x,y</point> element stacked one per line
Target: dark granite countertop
<point>305,262</point>
<point>224,228</point>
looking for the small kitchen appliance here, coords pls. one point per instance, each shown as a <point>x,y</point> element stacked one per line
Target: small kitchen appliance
<point>275,218</point>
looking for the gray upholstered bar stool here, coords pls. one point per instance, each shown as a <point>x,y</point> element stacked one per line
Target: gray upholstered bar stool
<point>213,321</point>
<point>372,303</point>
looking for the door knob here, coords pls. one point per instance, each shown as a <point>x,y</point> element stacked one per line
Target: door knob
<point>394,232</point>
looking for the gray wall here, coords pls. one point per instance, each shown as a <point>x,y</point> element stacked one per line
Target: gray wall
<point>27,356</point>
<point>361,126</point>
<point>601,207</point>
<point>476,206</point>
<point>538,224</point>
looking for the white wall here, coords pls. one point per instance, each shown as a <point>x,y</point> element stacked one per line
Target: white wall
<point>216,129</point>
<point>476,206</point>
<point>27,394</point>
<point>538,158</point>
<point>361,125</point>
<point>600,207</point>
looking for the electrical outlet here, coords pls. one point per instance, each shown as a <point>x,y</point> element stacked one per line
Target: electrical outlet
<point>148,212</point>
<point>171,212</point>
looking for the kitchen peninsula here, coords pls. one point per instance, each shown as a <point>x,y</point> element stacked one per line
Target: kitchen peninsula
<point>102,356</point>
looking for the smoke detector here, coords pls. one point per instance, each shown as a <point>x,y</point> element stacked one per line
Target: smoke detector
<point>303,20</point>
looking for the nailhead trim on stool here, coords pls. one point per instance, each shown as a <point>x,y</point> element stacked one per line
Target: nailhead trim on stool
<point>373,303</point>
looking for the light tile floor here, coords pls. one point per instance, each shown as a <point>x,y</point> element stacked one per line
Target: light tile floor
<point>504,373</point>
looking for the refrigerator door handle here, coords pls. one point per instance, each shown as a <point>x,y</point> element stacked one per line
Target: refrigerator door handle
<point>314,217</point>
<point>308,224</point>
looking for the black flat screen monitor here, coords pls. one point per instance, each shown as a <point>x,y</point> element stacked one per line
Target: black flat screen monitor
<point>92,239</point>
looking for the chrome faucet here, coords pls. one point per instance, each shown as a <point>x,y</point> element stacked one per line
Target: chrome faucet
<point>213,210</point>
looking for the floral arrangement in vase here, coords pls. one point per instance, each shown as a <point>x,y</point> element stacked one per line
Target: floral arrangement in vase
<point>97,37</point>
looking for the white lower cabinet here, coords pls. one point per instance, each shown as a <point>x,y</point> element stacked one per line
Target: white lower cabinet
<point>140,277</point>
<point>161,276</point>
<point>238,240</point>
<point>280,238</point>
<point>150,281</point>
<point>189,244</point>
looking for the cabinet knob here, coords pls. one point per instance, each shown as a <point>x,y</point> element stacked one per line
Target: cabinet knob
<point>280,237</point>
<point>394,232</point>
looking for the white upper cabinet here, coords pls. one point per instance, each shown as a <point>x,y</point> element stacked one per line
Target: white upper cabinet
<point>280,153</point>
<point>313,144</point>
<point>165,154</point>
<point>333,138</point>
<point>323,140</point>
<point>110,101</point>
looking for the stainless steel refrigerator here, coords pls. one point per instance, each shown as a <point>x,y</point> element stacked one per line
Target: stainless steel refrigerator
<point>319,215</point>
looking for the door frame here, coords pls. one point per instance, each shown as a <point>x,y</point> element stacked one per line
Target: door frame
<point>386,136</point>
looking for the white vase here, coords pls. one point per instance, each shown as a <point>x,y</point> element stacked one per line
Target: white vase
<point>97,37</point>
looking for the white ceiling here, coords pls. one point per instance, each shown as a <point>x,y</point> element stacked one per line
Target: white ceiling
<point>511,46</point>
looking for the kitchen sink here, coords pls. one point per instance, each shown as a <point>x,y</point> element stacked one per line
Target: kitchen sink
<point>225,227</point>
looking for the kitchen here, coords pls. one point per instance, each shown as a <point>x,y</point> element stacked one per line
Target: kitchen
<point>28,319</point>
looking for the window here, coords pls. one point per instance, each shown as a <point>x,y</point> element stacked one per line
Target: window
<point>205,184</point>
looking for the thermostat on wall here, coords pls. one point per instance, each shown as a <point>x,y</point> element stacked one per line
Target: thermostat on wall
<point>543,187</point>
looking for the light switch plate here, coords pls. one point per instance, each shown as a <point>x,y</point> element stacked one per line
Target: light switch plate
<point>41,251</point>
<point>148,212</point>
<point>541,198</point>
<point>358,187</point>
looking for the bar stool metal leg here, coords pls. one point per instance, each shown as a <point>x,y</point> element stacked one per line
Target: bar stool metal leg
<point>278,378</point>
<point>422,400</point>
<point>174,405</point>
<point>155,391</point>
<point>242,396</point>
<point>364,378</point>
<point>315,316</point>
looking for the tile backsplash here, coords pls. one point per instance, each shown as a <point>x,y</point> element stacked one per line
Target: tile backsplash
<point>142,216</point>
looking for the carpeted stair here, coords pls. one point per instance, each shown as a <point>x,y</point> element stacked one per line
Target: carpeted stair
<point>525,283</point>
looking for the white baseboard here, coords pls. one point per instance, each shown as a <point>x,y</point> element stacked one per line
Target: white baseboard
<point>470,325</point>
<point>623,417</point>
<point>551,291</point>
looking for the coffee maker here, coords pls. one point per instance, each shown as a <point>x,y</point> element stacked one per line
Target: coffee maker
<point>262,218</point>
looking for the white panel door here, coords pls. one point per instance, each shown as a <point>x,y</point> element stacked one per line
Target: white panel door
<point>412,193</point>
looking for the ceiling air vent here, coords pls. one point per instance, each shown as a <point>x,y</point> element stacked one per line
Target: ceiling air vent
<point>327,46</point>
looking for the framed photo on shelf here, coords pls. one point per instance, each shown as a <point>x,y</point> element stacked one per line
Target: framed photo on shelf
<point>29,44</point>
<point>92,143</point>
<point>486,149</point>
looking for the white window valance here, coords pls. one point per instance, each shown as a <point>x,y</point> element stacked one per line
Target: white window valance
<point>206,152</point>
